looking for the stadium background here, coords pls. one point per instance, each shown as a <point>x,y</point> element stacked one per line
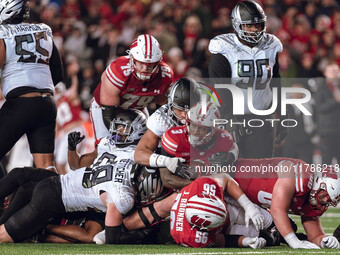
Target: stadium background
<point>94,32</point>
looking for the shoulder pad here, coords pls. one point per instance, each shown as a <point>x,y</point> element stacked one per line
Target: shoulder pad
<point>271,41</point>
<point>221,43</point>
<point>5,31</point>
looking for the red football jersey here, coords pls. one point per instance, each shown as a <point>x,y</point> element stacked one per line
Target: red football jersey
<point>135,93</point>
<point>259,190</point>
<point>175,142</point>
<point>67,113</point>
<point>181,230</point>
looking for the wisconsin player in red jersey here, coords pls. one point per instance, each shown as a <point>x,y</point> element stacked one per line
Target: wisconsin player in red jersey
<point>200,218</point>
<point>292,186</point>
<point>131,81</point>
<point>196,142</point>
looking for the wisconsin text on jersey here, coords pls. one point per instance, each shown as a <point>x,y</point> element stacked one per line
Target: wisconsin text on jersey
<point>240,107</point>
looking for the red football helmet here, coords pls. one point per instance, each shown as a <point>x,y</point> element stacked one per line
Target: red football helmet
<point>200,123</point>
<point>206,211</point>
<point>325,184</point>
<point>145,56</point>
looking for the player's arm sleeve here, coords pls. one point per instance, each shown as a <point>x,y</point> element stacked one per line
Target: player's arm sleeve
<point>56,66</point>
<point>219,66</point>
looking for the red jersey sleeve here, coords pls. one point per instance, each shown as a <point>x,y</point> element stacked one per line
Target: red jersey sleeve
<point>118,71</point>
<point>169,144</point>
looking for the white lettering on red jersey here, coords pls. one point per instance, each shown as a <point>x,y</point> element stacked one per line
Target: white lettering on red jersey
<point>180,229</point>
<point>135,93</point>
<point>259,190</point>
<point>67,113</point>
<point>175,142</point>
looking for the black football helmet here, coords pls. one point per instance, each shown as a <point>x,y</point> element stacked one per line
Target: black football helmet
<point>248,12</point>
<point>14,11</point>
<point>184,93</point>
<point>134,122</point>
<point>147,181</point>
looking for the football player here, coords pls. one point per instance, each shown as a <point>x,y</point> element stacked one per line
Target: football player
<point>201,218</point>
<point>248,59</point>
<point>131,81</point>
<point>198,141</point>
<point>292,188</point>
<point>185,235</point>
<point>30,67</point>
<point>184,94</point>
<point>106,185</point>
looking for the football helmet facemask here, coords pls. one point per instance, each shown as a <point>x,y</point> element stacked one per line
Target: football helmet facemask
<point>206,212</point>
<point>183,95</point>
<point>325,184</point>
<point>13,9</point>
<point>248,13</point>
<point>200,123</point>
<point>145,51</point>
<point>148,184</point>
<point>127,127</point>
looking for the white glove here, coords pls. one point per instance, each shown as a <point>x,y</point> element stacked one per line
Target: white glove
<point>157,160</point>
<point>100,238</point>
<point>252,212</point>
<point>330,242</point>
<point>295,243</point>
<point>254,242</point>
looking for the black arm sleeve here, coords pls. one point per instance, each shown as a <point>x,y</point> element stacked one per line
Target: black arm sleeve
<point>219,67</point>
<point>112,234</point>
<point>108,113</point>
<point>56,66</point>
<point>220,73</point>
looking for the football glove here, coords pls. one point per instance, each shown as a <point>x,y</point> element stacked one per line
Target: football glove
<point>74,138</point>
<point>252,212</point>
<point>295,243</point>
<point>330,242</point>
<point>254,242</point>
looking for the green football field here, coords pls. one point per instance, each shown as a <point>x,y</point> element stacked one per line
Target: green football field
<point>329,221</point>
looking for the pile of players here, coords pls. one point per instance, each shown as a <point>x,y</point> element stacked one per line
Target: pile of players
<point>142,181</point>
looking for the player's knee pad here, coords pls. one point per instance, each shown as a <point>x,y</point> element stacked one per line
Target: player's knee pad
<point>156,217</point>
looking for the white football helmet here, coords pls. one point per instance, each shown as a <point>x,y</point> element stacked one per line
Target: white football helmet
<point>327,182</point>
<point>206,211</point>
<point>10,9</point>
<point>146,50</point>
<point>134,122</point>
<point>200,123</point>
<point>248,12</point>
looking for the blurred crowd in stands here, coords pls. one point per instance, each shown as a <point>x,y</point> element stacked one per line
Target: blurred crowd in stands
<point>95,32</point>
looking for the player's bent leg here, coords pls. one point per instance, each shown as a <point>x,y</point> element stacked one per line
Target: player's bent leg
<point>4,236</point>
<point>21,198</point>
<point>44,160</point>
<point>148,215</point>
